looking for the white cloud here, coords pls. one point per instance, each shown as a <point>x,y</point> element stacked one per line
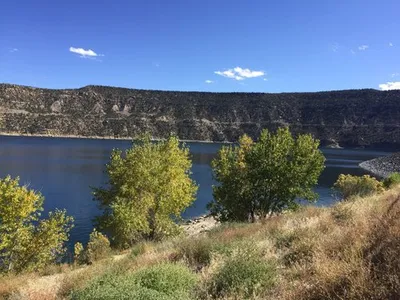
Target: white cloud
<point>12,50</point>
<point>390,86</point>
<point>240,74</point>
<point>247,73</point>
<point>265,79</point>
<point>352,51</point>
<point>335,47</point>
<point>395,74</point>
<point>390,45</point>
<point>209,81</point>
<point>84,53</point>
<point>363,47</point>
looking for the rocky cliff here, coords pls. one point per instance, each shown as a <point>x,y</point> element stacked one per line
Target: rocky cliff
<point>350,118</point>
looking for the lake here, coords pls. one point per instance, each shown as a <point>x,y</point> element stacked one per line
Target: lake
<point>63,170</point>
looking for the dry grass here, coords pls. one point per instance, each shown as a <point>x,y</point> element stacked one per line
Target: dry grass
<point>348,251</point>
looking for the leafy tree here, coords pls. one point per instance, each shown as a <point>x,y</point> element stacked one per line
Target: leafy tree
<point>264,177</point>
<point>149,187</point>
<point>26,241</point>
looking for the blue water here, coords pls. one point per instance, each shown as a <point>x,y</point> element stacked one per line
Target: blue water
<point>63,170</point>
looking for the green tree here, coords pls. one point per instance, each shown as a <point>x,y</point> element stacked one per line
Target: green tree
<point>264,177</point>
<point>26,241</point>
<point>149,187</point>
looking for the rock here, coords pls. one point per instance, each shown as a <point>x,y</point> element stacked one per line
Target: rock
<point>383,166</point>
<point>56,107</point>
<point>338,118</point>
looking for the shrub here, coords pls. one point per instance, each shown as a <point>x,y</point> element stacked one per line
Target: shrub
<point>266,176</point>
<point>342,215</point>
<point>299,253</point>
<point>244,275</point>
<point>164,282</point>
<point>98,246</point>
<point>28,242</point>
<point>80,257</point>
<point>170,279</point>
<point>349,186</point>
<point>196,251</point>
<point>138,249</point>
<point>149,188</point>
<point>392,180</point>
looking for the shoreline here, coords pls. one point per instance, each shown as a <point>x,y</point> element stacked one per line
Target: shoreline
<point>94,137</point>
<point>382,166</point>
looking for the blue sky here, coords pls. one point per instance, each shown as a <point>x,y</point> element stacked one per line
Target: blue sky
<point>207,45</point>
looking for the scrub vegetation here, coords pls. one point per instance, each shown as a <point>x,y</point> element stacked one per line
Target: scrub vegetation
<point>346,251</point>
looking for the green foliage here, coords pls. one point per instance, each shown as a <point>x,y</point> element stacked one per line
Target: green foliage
<point>98,246</point>
<point>80,256</point>
<point>149,187</point>
<point>164,282</point>
<point>242,276</point>
<point>138,249</point>
<point>349,186</point>
<point>196,251</point>
<point>392,180</point>
<point>267,176</point>
<point>26,241</point>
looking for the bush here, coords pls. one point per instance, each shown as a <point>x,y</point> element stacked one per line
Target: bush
<point>242,276</point>
<point>267,176</point>
<point>196,251</point>
<point>139,249</point>
<point>80,257</point>
<point>392,180</point>
<point>299,253</point>
<point>161,282</point>
<point>349,186</point>
<point>98,246</point>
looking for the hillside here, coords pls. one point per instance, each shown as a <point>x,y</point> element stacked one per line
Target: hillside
<point>351,117</point>
<point>347,251</point>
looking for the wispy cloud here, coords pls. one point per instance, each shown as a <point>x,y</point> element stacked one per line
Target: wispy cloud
<point>394,85</point>
<point>12,50</point>
<point>363,47</point>
<point>352,51</point>
<point>390,44</point>
<point>84,53</point>
<point>239,73</point>
<point>335,47</point>
<point>209,81</point>
<point>395,75</point>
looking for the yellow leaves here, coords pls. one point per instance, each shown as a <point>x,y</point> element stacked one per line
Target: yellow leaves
<point>24,243</point>
<point>150,183</point>
<point>350,186</point>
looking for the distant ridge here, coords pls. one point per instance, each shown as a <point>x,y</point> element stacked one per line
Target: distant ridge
<point>365,117</point>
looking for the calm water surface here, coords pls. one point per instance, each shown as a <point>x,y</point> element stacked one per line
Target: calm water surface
<point>63,170</point>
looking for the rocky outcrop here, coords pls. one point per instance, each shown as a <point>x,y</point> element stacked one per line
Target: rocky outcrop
<point>350,118</point>
<point>383,166</point>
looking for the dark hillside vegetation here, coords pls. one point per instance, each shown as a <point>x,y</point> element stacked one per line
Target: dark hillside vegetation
<point>351,118</point>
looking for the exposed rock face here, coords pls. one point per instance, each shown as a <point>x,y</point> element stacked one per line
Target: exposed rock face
<point>350,118</point>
